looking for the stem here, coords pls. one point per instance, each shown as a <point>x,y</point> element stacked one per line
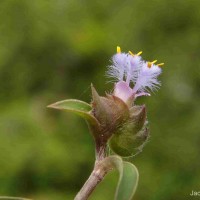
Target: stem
<point>94,179</point>
<point>97,174</point>
<point>100,150</point>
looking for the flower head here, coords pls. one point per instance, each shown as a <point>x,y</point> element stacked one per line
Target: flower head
<point>129,67</point>
<point>124,66</point>
<point>114,119</point>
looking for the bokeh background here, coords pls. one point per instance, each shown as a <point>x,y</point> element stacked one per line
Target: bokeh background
<point>52,50</point>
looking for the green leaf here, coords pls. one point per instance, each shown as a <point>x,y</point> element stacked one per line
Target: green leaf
<point>12,198</point>
<point>82,109</point>
<point>128,177</point>
<point>71,105</point>
<point>128,182</point>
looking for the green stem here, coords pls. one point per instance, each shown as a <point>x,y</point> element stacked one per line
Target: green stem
<point>96,176</point>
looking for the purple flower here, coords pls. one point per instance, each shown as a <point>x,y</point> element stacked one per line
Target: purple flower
<point>129,68</point>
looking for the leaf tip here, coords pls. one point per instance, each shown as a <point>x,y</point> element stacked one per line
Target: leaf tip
<point>52,106</point>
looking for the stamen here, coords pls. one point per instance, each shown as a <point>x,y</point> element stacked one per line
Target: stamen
<point>118,49</point>
<point>139,53</point>
<point>131,53</point>
<point>160,64</point>
<point>153,61</point>
<point>149,64</point>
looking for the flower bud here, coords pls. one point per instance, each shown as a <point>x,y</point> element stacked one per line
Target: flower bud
<point>122,126</point>
<point>129,139</point>
<point>110,111</point>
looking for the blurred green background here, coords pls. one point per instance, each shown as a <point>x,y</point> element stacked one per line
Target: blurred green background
<point>52,50</point>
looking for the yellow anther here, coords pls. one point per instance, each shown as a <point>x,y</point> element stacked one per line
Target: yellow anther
<point>139,53</point>
<point>160,64</point>
<point>153,61</point>
<point>118,49</point>
<point>131,53</point>
<point>149,64</point>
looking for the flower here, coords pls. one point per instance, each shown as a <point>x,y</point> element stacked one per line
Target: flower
<point>114,120</point>
<point>129,68</point>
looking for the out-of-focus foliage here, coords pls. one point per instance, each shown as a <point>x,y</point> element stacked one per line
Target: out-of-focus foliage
<point>52,50</point>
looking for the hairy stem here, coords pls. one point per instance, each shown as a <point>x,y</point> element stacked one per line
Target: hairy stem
<point>100,150</point>
<point>96,176</point>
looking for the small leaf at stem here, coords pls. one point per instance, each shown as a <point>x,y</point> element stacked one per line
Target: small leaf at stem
<point>128,182</point>
<point>128,176</point>
<point>82,109</point>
